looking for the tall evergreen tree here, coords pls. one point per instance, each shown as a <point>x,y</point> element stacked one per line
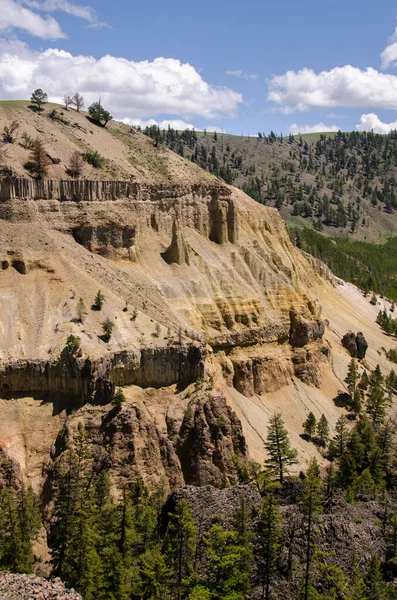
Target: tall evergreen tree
<point>341,435</point>
<point>279,448</point>
<point>309,426</point>
<point>180,546</point>
<point>228,564</point>
<point>268,538</point>
<point>323,430</point>
<point>310,505</point>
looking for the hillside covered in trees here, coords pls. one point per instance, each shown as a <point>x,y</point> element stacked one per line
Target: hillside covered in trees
<point>343,183</point>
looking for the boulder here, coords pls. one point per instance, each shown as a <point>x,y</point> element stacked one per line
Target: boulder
<point>356,345</point>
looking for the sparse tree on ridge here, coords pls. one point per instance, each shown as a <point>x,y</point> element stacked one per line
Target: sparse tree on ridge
<point>67,100</point>
<point>77,101</point>
<point>99,114</point>
<point>38,98</point>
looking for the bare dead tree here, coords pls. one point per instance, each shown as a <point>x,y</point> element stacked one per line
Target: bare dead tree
<point>68,101</point>
<point>77,101</point>
<point>76,165</point>
<point>39,161</point>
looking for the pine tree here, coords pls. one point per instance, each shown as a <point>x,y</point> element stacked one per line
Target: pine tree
<point>323,430</point>
<point>357,585</point>
<point>75,536</point>
<point>341,435</point>
<point>38,98</point>
<point>309,426</point>
<point>384,441</point>
<point>279,448</point>
<point>376,403</point>
<point>310,504</point>
<point>374,584</point>
<point>268,539</point>
<point>391,383</point>
<point>180,546</point>
<point>20,523</point>
<point>228,563</point>
<point>352,377</point>
<point>391,548</point>
<point>99,300</point>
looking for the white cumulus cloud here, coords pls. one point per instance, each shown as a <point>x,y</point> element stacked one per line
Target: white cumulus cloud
<point>389,55</point>
<point>342,86</point>
<point>15,16</point>
<point>317,128</point>
<point>371,122</point>
<point>127,88</point>
<point>173,123</point>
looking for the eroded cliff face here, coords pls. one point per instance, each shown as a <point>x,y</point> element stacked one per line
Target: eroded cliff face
<point>203,288</point>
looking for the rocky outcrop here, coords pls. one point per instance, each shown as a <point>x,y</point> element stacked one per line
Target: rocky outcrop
<point>81,377</point>
<point>210,437</point>
<point>177,251</point>
<point>345,528</point>
<point>266,372</point>
<point>310,361</point>
<point>109,239</point>
<point>106,216</point>
<point>125,442</point>
<point>362,345</point>
<point>356,345</point>
<point>303,332</point>
<point>207,503</point>
<point>30,587</point>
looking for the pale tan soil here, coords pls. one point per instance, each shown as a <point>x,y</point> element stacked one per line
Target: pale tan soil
<point>226,292</point>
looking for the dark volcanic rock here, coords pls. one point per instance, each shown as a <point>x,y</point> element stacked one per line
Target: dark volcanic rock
<point>362,345</point>
<point>30,587</point>
<point>210,436</point>
<point>356,345</point>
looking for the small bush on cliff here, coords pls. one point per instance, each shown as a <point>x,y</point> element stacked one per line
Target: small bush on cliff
<point>93,158</point>
<point>9,132</point>
<point>27,140</point>
<point>118,398</point>
<point>98,302</point>
<point>107,327</point>
<point>81,310</point>
<point>73,343</point>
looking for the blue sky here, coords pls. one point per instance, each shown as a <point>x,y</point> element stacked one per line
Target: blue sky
<point>241,67</point>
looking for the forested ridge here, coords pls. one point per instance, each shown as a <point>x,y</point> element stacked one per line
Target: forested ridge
<point>289,541</point>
